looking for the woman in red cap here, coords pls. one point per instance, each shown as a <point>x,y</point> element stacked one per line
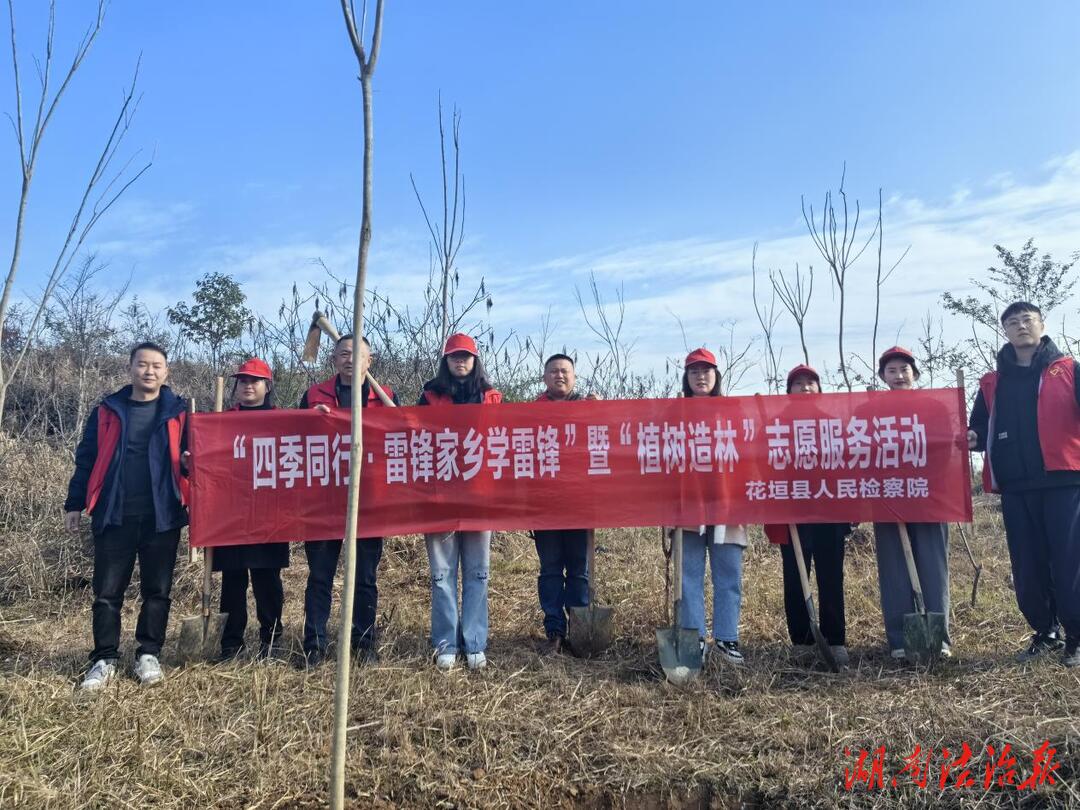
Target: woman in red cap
<point>460,381</point>
<point>822,543</point>
<point>723,544</point>
<point>929,541</point>
<point>253,390</point>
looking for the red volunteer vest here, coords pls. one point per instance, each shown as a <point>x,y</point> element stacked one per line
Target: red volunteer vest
<point>1057,415</point>
<point>491,397</point>
<point>109,436</point>
<point>325,393</point>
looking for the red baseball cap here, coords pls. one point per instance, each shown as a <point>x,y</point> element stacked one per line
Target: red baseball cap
<point>802,368</point>
<point>254,368</point>
<point>700,356</point>
<point>460,342</point>
<point>891,353</point>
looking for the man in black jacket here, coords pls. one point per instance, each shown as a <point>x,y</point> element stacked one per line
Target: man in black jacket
<point>1027,420</point>
<point>127,477</point>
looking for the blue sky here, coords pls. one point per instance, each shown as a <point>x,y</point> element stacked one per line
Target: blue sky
<point>650,143</point>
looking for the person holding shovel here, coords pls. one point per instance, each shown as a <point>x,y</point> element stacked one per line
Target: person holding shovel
<point>322,555</point>
<point>128,478</point>
<point>460,380</point>
<point>929,541</point>
<point>724,546</point>
<point>823,544</point>
<point>563,581</point>
<point>1026,419</point>
<point>261,563</point>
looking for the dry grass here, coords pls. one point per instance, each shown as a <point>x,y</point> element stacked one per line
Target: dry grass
<point>530,731</point>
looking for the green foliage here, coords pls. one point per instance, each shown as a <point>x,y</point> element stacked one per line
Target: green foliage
<point>217,316</point>
<point>1021,277</point>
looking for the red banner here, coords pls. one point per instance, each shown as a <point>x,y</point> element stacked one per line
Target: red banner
<point>282,475</point>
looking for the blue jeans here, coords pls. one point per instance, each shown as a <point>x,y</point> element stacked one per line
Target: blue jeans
<point>725,561</point>
<point>450,629</point>
<point>322,558</point>
<point>564,578</point>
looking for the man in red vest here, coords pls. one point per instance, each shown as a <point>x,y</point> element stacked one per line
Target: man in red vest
<point>128,479</point>
<point>322,555</point>
<point>1026,419</point>
<point>563,581</point>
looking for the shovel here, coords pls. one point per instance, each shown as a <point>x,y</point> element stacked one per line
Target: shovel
<point>589,629</point>
<point>679,648</point>
<point>320,325</point>
<point>822,644</point>
<point>200,636</point>
<point>923,632</point>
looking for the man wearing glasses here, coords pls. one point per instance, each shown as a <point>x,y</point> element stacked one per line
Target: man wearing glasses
<point>1026,419</point>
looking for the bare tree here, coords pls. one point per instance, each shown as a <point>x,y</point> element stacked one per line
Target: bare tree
<point>835,238</point>
<point>767,318</point>
<point>881,277</point>
<point>795,296</point>
<point>366,61</point>
<point>447,238</point>
<point>102,190</point>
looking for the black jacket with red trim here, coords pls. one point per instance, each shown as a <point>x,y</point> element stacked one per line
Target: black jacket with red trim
<point>97,484</point>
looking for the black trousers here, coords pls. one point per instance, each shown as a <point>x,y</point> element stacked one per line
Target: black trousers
<point>322,558</point>
<point>269,600</point>
<point>823,544</point>
<point>1042,529</point>
<point>115,552</point>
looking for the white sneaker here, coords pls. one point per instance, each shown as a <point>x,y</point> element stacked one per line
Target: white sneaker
<point>898,655</point>
<point>946,650</point>
<point>445,661</point>
<point>103,671</point>
<point>476,660</point>
<point>148,670</point>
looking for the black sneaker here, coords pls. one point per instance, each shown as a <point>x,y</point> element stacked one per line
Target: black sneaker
<point>1041,643</point>
<point>1071,657</point>
<point>312,658</point>
<point>729,651</point>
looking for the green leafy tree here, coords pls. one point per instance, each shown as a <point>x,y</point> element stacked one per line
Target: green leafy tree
<point>216,317</point>
<point>1023,276</point>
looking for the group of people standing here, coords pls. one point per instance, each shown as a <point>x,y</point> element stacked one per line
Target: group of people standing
<point>131,467</point>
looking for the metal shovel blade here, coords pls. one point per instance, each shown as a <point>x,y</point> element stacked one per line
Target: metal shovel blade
<point>680,654</point>
<point>924,634</point>
<point>590,629</point>
<point>200,640</point>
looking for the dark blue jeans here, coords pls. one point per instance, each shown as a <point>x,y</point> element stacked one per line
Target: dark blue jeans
<point>115,552</point>
<point>564,578</point>
<point>322,558</point>
<point>1042,529</point>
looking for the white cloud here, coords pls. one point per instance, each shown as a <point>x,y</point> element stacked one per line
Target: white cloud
<point>705,282</point>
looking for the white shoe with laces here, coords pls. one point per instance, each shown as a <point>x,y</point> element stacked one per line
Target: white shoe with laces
<point>476,660</point>
<point>148,670</point>
<point>100,674</point>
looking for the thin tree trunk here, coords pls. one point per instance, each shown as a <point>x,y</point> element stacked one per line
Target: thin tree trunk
<point>341,680</point>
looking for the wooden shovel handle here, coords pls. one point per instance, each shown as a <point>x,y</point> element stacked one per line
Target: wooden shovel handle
<point>796,546</point>
<point>913,574</point>
<point>328,328</point>
<point>590,551</point>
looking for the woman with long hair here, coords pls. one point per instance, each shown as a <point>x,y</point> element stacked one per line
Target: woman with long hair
<point>724,545</point>
<point>460,380</point>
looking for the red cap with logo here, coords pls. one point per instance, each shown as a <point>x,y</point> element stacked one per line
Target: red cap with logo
<point>700,356</point>
<point>254,368</point>
<point>804,369</point>
<point>894,352</point>
<point>460,342</point>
